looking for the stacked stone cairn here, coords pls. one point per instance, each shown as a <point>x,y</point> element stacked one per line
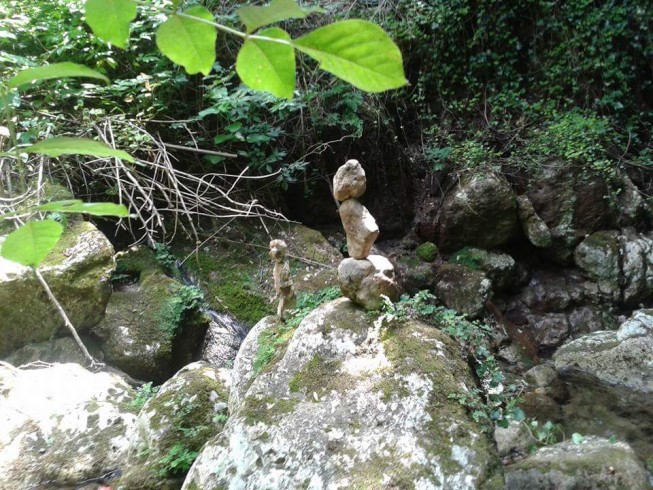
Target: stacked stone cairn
<point>363,278</point>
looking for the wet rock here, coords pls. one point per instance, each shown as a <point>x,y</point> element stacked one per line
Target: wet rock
<point>594,463</point>
<point>636,267</point>
<point>598,257</point>
<point>462,289</point>
<point>188,409</point>
<point>328,414</point>
<point>61,425</point>
<point>513,441</point>
<point>152,327</point>
<point>549,292</point>
<point>572,205</point>
<point>360,227</point>
<point>349,181</point>
<point>548,330</point>
<point>539,405</point>
<point>414,275</point>
<point>588,319</point>
<point>78,271</point>
<point>631,205</point>
<point>534,227</point>
<point>480,211</point>
<point>61,350</point>
<point>541,375</point>
<point>223,339</point>
<point>499,267</point>
<point>365,281</point>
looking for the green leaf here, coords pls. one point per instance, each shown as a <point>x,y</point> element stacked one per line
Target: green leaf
<point>576,438</point>
<point>254,17</point>
<point>110,19</point>
<point>188,42</point>
<point>358,52</point>
<point>64,145</point>
<point>267,65</point>
<point>32,242</point>
<point>55,70</point>
<point>78,206</point>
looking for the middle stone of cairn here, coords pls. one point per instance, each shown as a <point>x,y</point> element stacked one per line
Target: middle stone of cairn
<point>363,278</point>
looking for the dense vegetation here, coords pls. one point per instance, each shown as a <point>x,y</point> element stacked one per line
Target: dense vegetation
<point>494,85</point>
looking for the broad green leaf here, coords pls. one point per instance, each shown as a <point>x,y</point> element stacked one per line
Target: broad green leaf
<point>358,52</point>
<point>110,19</point>
<point>576,438</point>
<point>267,65</point>
<point>55,70</point>
<point>78,206</point>
<point>254,17</point>
<point>188,42</point>
<point>32,242</point>
<point>64,145</point>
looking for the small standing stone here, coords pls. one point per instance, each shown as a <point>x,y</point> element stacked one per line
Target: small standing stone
<point>349,181</point>
<point>360,227</point>
<point>281,273</point>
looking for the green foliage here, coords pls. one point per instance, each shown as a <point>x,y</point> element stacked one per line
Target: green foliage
<point>469,257</point>
<point>254,16</point>
<point>272,340</point>
<point>544,434</point>
<point>184,300</point>
<point>220,418</point>
<point>110,19</point>
<point>30,244</point>
<point>54,71</point>
<point>92,208</point>
<point>494,401</point>
<point>177,462</point>
<point>143,394</point>
<point>188,42</point>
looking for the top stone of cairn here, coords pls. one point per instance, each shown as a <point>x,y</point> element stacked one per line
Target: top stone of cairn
<point>349,181</point>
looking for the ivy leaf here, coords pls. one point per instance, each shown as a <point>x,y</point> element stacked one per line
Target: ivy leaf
<point>53,71</point>
<point>358,52</point>
<point>79,206</point>
<point>110,19</point>
<point>65,145</point>
<point>267,65</point>
<point>188,42</point>
<point>32,242</point>
<point>254,17</point>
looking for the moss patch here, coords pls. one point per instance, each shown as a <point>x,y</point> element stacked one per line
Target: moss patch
<point>320,376</point>
<point>267,410</point>
<point>427,252</point>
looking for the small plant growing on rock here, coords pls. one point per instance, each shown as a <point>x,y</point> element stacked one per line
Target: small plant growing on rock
<point>143,394</point>
<point>177,462</point>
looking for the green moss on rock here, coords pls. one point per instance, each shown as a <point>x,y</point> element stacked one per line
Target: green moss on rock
<point>320,376</point>
<point>267,410</point>
<point>427,252</point>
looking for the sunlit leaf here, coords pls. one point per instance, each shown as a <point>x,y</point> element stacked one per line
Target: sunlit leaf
<point>64,145</point>
<point>358,52</point>
<point>267,65</point>
<point>189,42</point>
<point>54,71</point>
<point>110,19</point>
<point>32,242</point>
<point>78,206</point>
<point>254,17</point>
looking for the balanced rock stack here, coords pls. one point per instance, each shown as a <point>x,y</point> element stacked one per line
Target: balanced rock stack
<point>363,278</point>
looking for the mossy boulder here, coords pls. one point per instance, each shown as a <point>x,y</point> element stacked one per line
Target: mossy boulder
<point>480,211</point>
<point>78,272</point>
<point>598,258</point>
<point>62,425</point>
<point>590,464</point>
<point>153,326</point>
<point>331,412</point>
<point>188,409</point>
<point>427,252</point>
<point>500,268</point>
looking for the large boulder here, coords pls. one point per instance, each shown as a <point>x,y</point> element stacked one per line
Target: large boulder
<point>590,464</point>
<point>78,272</point>
<point>480,211</point>
<point>173,425</point>
<point>62,425</point>
<point>153,326</point>
<point>610,376</point>
<point>332,413</point>
<point>223,339</point>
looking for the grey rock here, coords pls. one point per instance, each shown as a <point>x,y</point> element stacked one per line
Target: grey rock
<point>61,350</point>
<point>462,289</point>
<point>636,267</point>
<point>631,205</point>
<point>594,463</point>
<point>480,211</point>
<point>548,330</point>
<point>598,257</point>
<point>78,272</point>
<point>61,425</point>
<point>223,339</point>
<point>541,375</point>
<point>499,267</point>
<point>330,414</point>
<point>534,227</point>
<point>513,440</point>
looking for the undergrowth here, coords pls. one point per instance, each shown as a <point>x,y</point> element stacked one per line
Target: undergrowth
<point>493,401</point>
